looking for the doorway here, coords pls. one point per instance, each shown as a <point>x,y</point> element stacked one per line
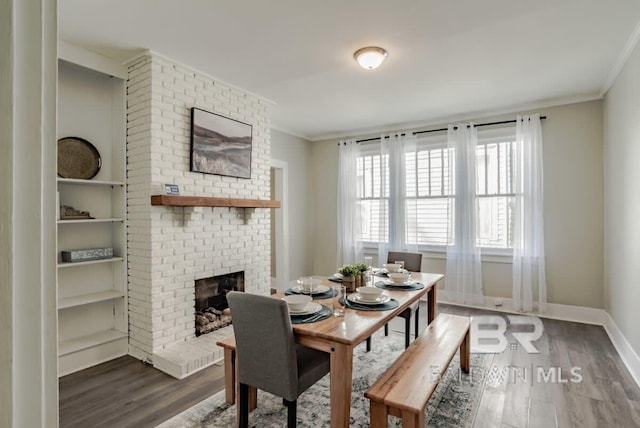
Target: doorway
<point>279,227</point>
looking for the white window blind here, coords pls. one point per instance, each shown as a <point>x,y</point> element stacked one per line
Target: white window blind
<point>429,195</point>
<point>495,194</point>
<point>373,192</point>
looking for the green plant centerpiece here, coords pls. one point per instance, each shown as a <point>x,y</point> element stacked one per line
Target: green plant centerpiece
<point>349,274</point>
<point>352,276</point>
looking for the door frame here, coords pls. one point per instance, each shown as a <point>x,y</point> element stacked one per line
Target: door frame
<point>282,223</point>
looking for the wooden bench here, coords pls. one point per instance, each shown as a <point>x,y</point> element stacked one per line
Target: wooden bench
<point>404,389</point>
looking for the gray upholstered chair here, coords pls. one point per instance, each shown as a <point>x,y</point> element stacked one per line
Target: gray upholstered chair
<point>268,358</point>
<point>413,263</point>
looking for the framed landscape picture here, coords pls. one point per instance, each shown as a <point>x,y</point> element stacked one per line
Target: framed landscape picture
<point>220,145</point>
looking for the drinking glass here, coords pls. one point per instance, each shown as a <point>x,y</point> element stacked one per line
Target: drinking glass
<point>368,260</point>
<point>341,292</point>
<point>401,263</point>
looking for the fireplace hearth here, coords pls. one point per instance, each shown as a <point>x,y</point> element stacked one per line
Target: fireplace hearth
<point>212,309</point>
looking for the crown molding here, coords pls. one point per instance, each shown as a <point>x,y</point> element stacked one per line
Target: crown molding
<point>465,117</point>
<point>624,56</point>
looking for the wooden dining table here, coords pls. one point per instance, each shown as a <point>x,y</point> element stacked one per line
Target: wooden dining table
<point>339,336</point>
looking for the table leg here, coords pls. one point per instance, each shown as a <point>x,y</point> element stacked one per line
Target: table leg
<point>431,312</point>
<point>341,372</point>
<point>230,375</point>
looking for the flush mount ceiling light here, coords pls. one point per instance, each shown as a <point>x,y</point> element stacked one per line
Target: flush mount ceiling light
<point>370,57</point>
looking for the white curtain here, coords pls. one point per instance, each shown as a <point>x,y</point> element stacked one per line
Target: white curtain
<point>463,278</point>
<point>349,249</point>
<point>528,231</point>
<point>393,174</point>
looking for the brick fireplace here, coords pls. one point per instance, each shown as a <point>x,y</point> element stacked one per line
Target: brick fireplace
<point>170,247</point>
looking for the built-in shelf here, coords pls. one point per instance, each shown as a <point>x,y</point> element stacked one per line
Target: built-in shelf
<point>90,182</point>
<point>91,220</point>
<point>70,302</point>
<point>84,342</point>
<point>203,201</point>
<point>89,262</point>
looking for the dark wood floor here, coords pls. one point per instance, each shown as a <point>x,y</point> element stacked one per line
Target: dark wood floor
<point>128,393</point>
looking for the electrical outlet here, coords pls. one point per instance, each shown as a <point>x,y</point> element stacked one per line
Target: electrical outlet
<point>497,302</point>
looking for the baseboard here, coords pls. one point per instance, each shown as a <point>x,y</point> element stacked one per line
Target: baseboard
<point>571,313</point>
<point>629,357</point>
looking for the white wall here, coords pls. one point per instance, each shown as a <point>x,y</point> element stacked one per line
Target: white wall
<point>622,200</point>
<point>28,351</point>
<point>297,153</point>
<point>573,201</point>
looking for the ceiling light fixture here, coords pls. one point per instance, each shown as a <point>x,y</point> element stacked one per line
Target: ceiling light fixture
<point>370,57</point>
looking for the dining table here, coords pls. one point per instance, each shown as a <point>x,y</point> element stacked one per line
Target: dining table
<point>339,336</point>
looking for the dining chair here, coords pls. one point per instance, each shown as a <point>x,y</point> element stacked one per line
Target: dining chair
<point>413,263</point>
<point>268,357</point>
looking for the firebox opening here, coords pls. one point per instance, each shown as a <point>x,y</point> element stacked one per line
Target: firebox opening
<point>212,309</point>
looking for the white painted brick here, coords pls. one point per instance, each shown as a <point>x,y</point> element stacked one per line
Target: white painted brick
<point>170,247</point>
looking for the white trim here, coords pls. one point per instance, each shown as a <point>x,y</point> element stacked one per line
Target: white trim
<point>282,223</point>
<point>476,116</point>
<point>622,59</point>
<point>572,313</point>
<point>629,357</point>
<point>151,53</point>
<point>288,131</point>
<point>77,55</point>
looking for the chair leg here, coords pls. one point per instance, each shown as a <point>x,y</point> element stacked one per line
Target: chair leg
<point>292,410</point>
<point>407,332</point>
<point>417,322</point>
<point>386,329</point>
<point>243,406</point>
<point>368,343</point>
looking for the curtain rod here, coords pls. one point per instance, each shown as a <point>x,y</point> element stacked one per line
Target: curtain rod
<point>446,129</point>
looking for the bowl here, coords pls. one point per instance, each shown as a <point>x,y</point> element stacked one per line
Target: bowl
<point>369,293</point>
<point>398,277</point>
<point>297,302</point>
<point>309,284</point>
<point>392,267</point>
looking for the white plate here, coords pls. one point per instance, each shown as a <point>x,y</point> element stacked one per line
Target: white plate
<point>321,289</point>
<point>399,284</point>
<point>311,308</point>
<point>356,298</point>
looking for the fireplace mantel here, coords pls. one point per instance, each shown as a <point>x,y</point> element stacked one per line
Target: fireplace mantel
<point>205,201</point>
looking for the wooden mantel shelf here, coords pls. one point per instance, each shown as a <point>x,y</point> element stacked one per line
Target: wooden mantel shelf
<point>203,201</point>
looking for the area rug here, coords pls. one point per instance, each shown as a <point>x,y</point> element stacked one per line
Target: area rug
<point>453,404</point>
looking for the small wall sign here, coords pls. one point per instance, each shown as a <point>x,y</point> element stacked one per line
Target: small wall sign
<point>171,189</point>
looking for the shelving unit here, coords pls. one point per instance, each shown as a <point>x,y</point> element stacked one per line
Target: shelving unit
<point>92,295</point>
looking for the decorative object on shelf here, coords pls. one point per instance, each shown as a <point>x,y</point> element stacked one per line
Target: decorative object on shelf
<point>70,213</point>
<point>85,255</point>
<point>78,158</point>
<point>171,189</point>
<point>220,145</point>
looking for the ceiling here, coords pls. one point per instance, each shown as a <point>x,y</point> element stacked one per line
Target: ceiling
<point>447,59</point>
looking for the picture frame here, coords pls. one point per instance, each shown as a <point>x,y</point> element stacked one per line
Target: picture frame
<point>220,145</point>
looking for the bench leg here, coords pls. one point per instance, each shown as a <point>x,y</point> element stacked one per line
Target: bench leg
<point>229,376</point>
<point>378,415</point>
<point>465,352</point>
<point>412,420</point>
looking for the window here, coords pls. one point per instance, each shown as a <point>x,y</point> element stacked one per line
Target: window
<point>373,194</point>
<point>429,196</point>
<point>494,162</point>
<point>430,190</point>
